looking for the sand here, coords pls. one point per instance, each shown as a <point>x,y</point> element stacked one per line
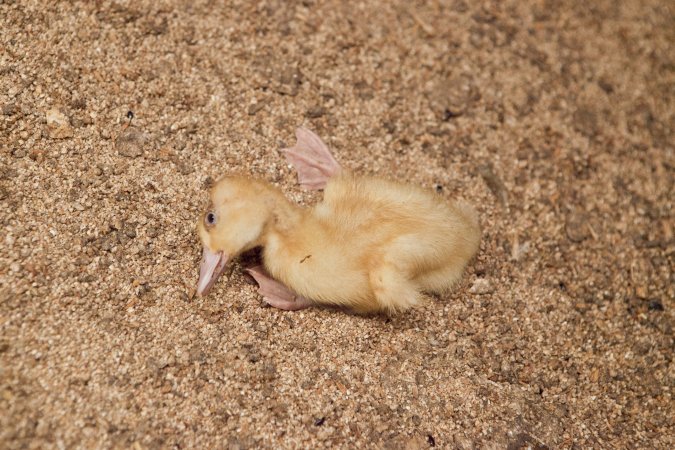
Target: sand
<point>554,119</point>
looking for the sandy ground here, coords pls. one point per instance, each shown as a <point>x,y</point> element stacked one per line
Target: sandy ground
<point>554,118</point>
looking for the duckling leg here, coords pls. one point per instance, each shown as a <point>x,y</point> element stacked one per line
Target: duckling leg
<point>276,294</point>
<point>393,290</point>
<point>312,160</point>
<point>441,279</point>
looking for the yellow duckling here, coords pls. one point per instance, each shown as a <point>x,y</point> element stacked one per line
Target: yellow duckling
<point>371,245</point>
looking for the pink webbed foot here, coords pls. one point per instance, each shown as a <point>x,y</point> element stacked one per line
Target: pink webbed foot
<point>276,294</point>
<point>312,159</point>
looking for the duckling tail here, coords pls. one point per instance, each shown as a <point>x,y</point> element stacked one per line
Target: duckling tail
<point>469,214</point>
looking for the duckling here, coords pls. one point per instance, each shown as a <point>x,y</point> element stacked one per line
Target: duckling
<point>371,245</point>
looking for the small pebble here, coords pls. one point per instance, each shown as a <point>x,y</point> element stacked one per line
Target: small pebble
<point>253,108</point>
<point>315,112</point>
<point>482,286</point>
<point>9,109</point>
<point>58,125</point>
<point>655,305</point>
<point>132,143</point>
<point>320,421</point>
<point>576,227</point>
<point>185,168</point>
<point>494,183</point>
<point>642,291</point>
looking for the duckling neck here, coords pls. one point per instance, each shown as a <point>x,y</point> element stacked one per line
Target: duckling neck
<point>285,216</point>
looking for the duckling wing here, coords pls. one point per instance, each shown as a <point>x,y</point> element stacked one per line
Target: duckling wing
<point>312,159</point>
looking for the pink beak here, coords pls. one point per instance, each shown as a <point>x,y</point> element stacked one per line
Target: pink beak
<point>211,267</point>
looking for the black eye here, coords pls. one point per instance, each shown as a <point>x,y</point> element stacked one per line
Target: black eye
<point>210,218</point>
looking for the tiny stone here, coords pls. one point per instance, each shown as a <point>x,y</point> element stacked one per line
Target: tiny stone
<point>79,103</point>
<point>586,121</point>
<point>389,126</point>
<point>255,107</point>
<point>482,286</point>
<point>88,278</point>
<point>119,169</point>
<point>655,305</point>
<point>606,85</point>
<point>7,173</point>
<point>315,112</point>
<point>451,97</point>
<point>208,182</point>
<point>289,82</point>
<point>576,228</point>
<point>131,143</point>
<point>58,125</point>
<point>81,261</point>
<point>185,168</point>
<point>8,109</point>
<point>130,231</point>
<point>494,183</point>
<point>320,421</point>
<point>165,153</point>
<point>449,114</point>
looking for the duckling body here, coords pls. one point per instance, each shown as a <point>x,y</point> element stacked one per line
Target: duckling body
<point>370,245</point>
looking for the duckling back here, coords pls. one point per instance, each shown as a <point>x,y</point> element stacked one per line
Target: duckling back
<point>381,207</point>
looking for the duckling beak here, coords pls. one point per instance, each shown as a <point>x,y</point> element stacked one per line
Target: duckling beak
<point>211,267</point>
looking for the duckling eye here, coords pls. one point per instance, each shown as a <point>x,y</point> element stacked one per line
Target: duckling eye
<point>210,218</point>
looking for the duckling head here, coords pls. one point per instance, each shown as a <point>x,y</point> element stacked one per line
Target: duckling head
<point>233,222</point>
